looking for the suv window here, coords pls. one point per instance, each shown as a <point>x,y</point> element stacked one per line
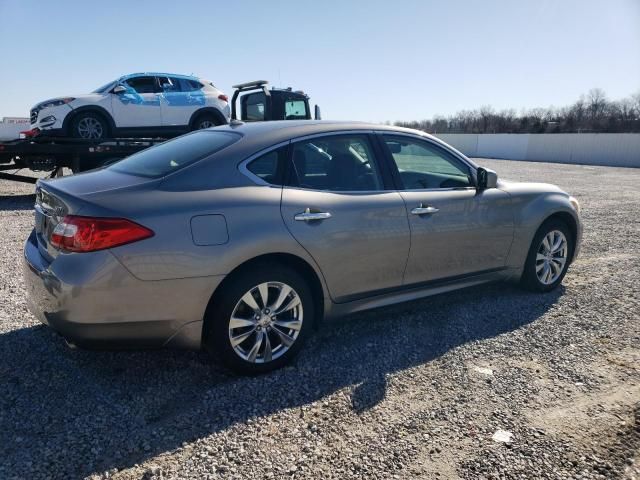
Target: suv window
<point>269,166</point>
<point>170,84</point>
<point>142,84</point>
<point>188,85</point>
<point>422,165</point>
<point>175,154</point>
<point>336,163</point>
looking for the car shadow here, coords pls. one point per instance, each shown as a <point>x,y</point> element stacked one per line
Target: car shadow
<point>67,413</point>
<point>17,202</point>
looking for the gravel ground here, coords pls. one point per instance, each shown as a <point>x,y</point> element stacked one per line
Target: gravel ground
<point>417,390</point>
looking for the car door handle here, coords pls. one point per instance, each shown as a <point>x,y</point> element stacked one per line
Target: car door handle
<point>424,210</point>
<point>309,216</point>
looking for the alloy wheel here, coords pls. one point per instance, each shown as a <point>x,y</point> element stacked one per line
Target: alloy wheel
<point>89,127</point>
<point>265,322</point>
<point>551,257</point>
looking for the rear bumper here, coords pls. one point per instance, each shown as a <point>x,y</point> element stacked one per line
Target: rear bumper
<point>94,302</point>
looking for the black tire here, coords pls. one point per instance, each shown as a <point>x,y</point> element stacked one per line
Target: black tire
<point>217,321</point>
<point>530,279</point>
<point>205,120</point>
<point>90,126</point>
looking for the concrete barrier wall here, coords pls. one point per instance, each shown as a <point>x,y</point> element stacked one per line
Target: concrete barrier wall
<point>610,149</point>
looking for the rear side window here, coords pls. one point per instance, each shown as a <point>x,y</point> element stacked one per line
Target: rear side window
<point>336,163</point>
<point>269,167</point>
<point>189,85</point>
<point>173,155</point>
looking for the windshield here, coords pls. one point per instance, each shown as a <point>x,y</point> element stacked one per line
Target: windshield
<point>105,88</point>
<point>175,154</point>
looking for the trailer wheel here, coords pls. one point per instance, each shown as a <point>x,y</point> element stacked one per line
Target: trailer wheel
<point>90,126</point>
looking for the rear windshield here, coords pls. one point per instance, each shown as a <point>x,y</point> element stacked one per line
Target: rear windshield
<point>175,154</point>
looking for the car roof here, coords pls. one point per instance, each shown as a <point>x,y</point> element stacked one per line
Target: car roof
<point>271,133</point>
<point>155,74</point>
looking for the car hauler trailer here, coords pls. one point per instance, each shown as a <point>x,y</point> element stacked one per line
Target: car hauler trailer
<point>51,154</point>
<point>37,152</point>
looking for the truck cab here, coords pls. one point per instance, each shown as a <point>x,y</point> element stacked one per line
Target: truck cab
<point>259,103</point>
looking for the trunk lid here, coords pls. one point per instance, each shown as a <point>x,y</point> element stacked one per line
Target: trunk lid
<point>75,195</point>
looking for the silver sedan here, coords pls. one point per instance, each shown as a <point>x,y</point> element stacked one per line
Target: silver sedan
<point>241,238</point>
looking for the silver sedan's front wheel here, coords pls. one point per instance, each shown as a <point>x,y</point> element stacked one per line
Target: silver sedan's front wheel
<point>551,257</point>
<point>259,318</point>
<point>266,322</point>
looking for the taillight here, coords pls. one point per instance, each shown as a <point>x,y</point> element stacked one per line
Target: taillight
<point>87,234</point>
<point>223,97</point>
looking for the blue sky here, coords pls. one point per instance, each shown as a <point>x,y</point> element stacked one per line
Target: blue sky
<point>362,60</point>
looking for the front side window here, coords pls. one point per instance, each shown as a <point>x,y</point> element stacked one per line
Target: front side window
<point>335,163</point>
<point>142,84</point>
<point>173,155</point>
<point>269,167</point>
<point>422,165</point>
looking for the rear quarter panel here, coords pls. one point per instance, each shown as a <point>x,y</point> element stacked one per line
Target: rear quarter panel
<point>252,219</point>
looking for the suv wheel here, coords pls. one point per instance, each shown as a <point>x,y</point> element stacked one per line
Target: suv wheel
<point>262,319</point>
<point>90,126</point>
<point>548,257</point>
<point>206,120</point>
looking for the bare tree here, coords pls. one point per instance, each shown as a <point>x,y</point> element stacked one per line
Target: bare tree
<point>597,103</point>
<point>636,100</point>
<point>590,113</point>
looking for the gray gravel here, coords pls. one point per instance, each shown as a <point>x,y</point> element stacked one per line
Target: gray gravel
<point>412,391</point>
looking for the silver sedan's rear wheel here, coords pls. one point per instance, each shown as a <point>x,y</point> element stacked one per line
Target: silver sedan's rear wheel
<point>549,256</point>
<point>259,318</point>
<point>266,322</point>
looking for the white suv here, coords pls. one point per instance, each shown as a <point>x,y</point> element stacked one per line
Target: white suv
<point>140,104</point>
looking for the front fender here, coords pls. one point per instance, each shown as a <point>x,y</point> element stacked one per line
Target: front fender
<point>531,210</point>
<point>66,126</point>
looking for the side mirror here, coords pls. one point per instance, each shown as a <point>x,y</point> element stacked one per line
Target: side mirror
<point>486,179</point>
<point>119,89</point>
<point>316,113</point>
